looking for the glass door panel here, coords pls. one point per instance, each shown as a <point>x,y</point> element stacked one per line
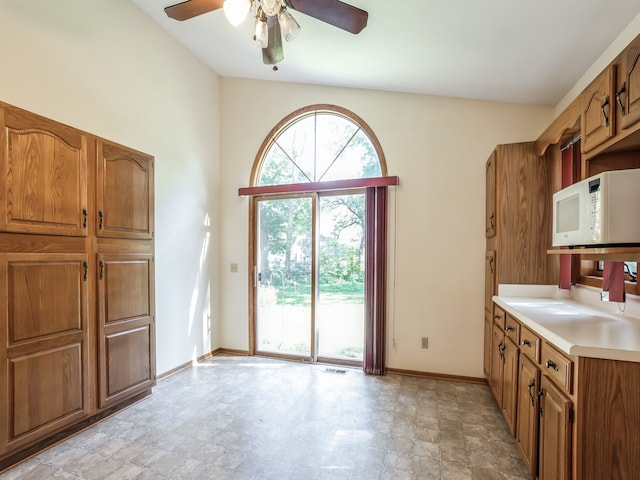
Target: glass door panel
<point>340,305</point>
<point>284,273</point>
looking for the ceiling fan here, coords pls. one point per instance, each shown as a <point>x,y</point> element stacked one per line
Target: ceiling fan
<point>273,20</point>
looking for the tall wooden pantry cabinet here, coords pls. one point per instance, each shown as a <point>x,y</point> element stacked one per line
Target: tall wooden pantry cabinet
<point>76,280</point>
<point>518,211</point>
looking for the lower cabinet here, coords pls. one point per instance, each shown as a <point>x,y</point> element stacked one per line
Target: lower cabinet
<point>504,374</point>
<point>126,328</point>
<point>528,414</point>
<point>555,432</point>
<point>44,373</point>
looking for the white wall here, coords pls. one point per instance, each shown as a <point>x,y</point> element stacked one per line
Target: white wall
<point>438,147</point>
<point>104,67</point>
<point>610,53</point>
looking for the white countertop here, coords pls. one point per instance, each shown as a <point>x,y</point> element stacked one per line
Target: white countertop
<point>577,329</point>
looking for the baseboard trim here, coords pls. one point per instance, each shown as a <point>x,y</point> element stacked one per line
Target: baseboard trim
<point>188,364</point>
<point>230,351</point>
<point>437,376</point>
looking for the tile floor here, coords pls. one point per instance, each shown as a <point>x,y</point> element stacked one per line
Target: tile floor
<point>249,418</point>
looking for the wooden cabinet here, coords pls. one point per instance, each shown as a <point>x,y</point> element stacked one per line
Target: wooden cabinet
<point>555,432</point>
<point>491,196</point>
<point>124,192</point>
<point>628,91</point>
<point>45,373</point>
<point>126,328</point>
<point>598,110</point>
<point>504,374</point>
<point>44,168</point>
<point>523,208</point>
<point>488,340</point>
<point>518,231</point>
<point>527,424</point>
<point>77,333</point>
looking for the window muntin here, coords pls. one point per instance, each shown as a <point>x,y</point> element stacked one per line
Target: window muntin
<point>319,146</point>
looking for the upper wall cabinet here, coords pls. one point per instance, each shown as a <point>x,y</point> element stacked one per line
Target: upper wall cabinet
<point>628,91</point>
<point>124,192</point>
<point>43,165</point>
<point>598,109</point>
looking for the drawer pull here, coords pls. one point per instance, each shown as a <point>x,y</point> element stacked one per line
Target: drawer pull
<point>526,343</point>
<point>553,365</point>
<point>510,328</point>
<point>497,317</point>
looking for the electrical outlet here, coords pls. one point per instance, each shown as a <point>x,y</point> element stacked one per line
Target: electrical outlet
<point>425,342</point>
<point>234,268</point>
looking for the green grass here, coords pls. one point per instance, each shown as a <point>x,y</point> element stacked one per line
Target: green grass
<point>300,295</point>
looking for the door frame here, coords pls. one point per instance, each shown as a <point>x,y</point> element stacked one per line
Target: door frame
<point>253,273</point>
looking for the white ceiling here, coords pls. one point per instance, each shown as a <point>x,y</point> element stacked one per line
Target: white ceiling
<point>505,50</point>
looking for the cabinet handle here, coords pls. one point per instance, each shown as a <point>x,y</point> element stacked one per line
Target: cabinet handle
<point>553,365</point>
<point>510,328</point>
<point>538,396</point>
<point>491,218</point>
<point>491,264</point>
<point>101,215</point>
<point>532,384</point>
<point>85,264</point>
<point>497,317</point>
<point>526,343</point>
<point>101,269</point>
<point>623,89</point>
<point>604,112</point>
<point>84,218</point>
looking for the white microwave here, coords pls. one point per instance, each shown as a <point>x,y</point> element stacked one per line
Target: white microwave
<point>599,210</point>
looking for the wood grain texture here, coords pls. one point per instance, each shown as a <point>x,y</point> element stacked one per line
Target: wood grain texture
<point>608,417</point>
<point>528,419</point>
<point>555,434</point>
<point>43,165</point>
<point>524,211</point>
<point>598,110</point>
<point>124,192</point>
<point>565,126</point>
<point>629,76</point>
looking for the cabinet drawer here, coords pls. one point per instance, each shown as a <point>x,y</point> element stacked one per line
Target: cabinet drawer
<point>557,367</point>
<point>530,344</point>
<point>498,316</point>
<point>512,329</point>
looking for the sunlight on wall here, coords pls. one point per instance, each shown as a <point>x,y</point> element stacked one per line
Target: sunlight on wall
<point>201,294</point>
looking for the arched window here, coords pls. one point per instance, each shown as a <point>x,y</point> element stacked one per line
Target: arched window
<point>317,246</point>
<point>320,143</point>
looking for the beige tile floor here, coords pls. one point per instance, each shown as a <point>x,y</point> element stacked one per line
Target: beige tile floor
<point>249,418</point>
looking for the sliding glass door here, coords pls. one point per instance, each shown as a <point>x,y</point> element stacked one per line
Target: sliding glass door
<point>309,276</point>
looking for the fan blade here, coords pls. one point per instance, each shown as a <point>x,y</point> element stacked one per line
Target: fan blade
<point>333,12</point>
<point>192,8</point>
<point>273,53</point>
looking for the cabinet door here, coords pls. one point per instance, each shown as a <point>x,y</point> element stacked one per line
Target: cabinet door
<point>497,363</point>
<point>44,371</point>
<point>489,280</point>
<point>597,110</point>
<point>43,165</point>
<point>126,345</point>
<point>527,427</point>
<point>628,93</point>
<point>488,337</point>
<point>491,196</point>
<point>124,192</point>
<point>510,383</point>
<point>555,433</point>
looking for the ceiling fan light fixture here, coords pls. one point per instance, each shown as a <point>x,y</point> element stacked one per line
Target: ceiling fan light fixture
<point>290,28</point>
<point>236,10</point>
<point>260,37</point>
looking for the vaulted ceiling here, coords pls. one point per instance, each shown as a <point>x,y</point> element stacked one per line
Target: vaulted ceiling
<point>504,50</point>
